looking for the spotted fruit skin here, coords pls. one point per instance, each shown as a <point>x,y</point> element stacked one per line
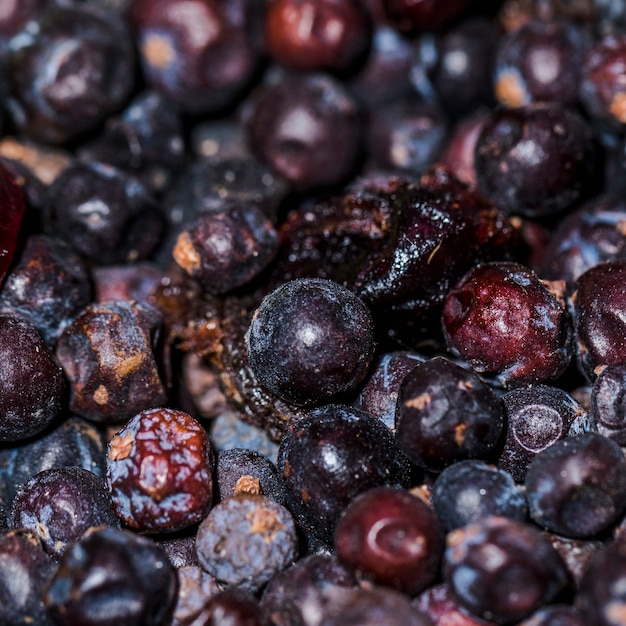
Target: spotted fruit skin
<point>160,471</point>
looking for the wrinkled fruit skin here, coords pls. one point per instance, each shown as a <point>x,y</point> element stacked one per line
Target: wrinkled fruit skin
<point>160,471</point>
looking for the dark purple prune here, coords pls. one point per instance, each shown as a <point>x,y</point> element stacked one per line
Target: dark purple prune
<point>180,547</point>
<point>536,416</point>
<point>608,403</point>
<point>602,595</point>
<point>234,607</point>
<point>68,70</point>
<point>502,569</point>
<point>146,140</point>
<point>106,215</point>
<point>296,593</point>
<point>368,606</point>
<point>245,540</point>
<point>309,340</point>
<point>25,570</point>
<point>379,394</point>
<point>72,443</point>
<point>227,248</point>
<point>160,471</point>
<point>438,603</point>
<point>195,588</point>
<point>108,354</point>
<point>60,504</point>
<point>576,553</point>
<point>49,285</point>
<point>598,304</point>
<point>470,490</point>
<point>406,135</point>
<point>505,321</point>
<point>541,61</point>
<point>178,40</point>
<point>446,413</point>
<point>31,382</point>
<point>330,456</point>
<point>391,537</point>
<point>592,234</point>
<point>577,486</point>
<point>12,209</point>
<point>535,160</point>
<point>241,470</point>
<point>327,35</point>
<point>301,123</point>
<point>602,91</point>
<point>112,577</point>
<point>556,615</point>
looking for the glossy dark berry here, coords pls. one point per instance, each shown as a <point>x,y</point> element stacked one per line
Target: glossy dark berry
<point>608,403</point>
<point>438,603</point>
<point>592,234</point>
<point>536,416</point>
<point>391,537</point>
<point>12,209</point>
<point>68,71</point>
<point>301,123</point>
<point>329,457</point>
<point>108,354</point>
<point>241,470</point>
<point>31,381</point>
<point>599,302</point>
<point>227,248</point>
<point>602,90</point>
<point>25,570</point>
<point>112,576</point>
<point>309,340</point>
<point>502,569</point>
<point>234,607</point>
<point>541,61</point>
<point>601,594</point>
<point>178,40</point>
<point>49,285</point>
<point>106,215</point>
<point>298,591</point>
<point>245,540</point>
<point>470,490</point>
<point>535,160</point>
<point>379,394</point>
<point>327,35</point>
<point>72,442</point>
<point>446,413</point>
<point>60,504</point>
<point>577,486</point>
<point>504,320</point>
<point>160,471</point>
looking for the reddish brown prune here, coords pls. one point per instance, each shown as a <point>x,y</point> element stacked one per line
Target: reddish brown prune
<point>12,208</point>
<point>504,320</point>
<point>31,381</point>
<point>25,570</point>
<point>49,285</point>
<point>226,248</point>
<point>108,355</point>
<point>60,504</point>
<point>201,54</point>
<point>160,471</point>
<point>245,540</point>
<point>391,537</point>
<point>327,35</point>
<point>68,70</point>
<point>112,576</point>
<point>599,303</point>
